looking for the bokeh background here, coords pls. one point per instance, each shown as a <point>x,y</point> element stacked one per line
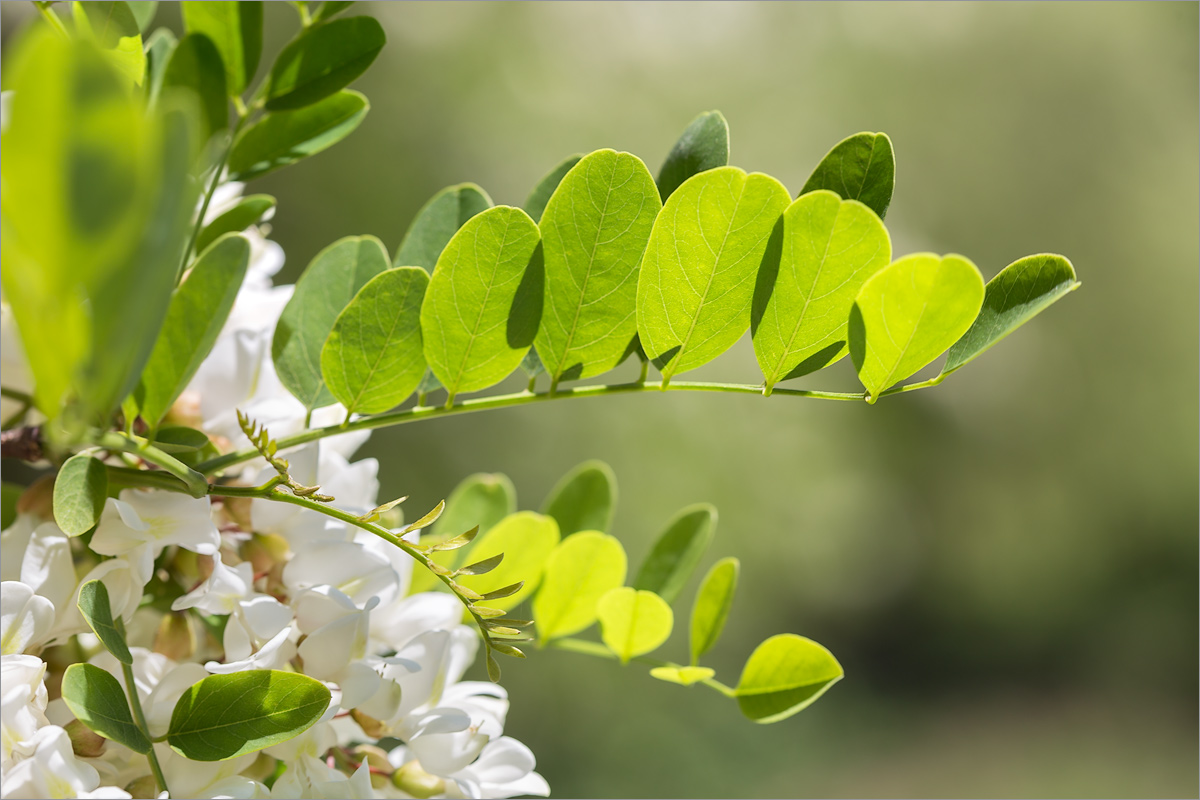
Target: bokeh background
<point>1006,566</point>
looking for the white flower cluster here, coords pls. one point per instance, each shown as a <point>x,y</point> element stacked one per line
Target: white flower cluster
<point>206,586</point>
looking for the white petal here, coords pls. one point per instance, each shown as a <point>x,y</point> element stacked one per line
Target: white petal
<point>48,566</point>
<point>25,618</point>
<point>358,683</point>
<point>265,615</point>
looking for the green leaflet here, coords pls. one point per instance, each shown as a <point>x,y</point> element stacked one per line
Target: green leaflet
<point>633,622</point>
<point>480,500</point>
<point>711,608</point>
<point>180,439</point>
<point>535,204</point>
<point>249,211</point>
<point>1021,291</point>
<point>159,47</point>
<point>684,676</point>
<point>373,358</point>
<point>802,302</point>
<point>143,12</point>
<point>80,489</point>
<point>704,145</point>
<point>285,137</point>
<point>197,312</point>
<point>484,301</point>
<point>697,278</point>
<point>196,65</point>
<point>327,286</point>
<point>321,60</point>
<point>437,222</point>
<point>224,716</point>
<point>861,167</point>
<point>95,697</point>
<point>95,202</point>
<point>526,539</point>
<point>908,314</point>
<point>784,675</point>
<point>581,570</point>
<point>116,30</point>
<point>678,551</point>
<point>236,29</point>
<point>594,231</point>
<point>584,499</point>
<point>96,608</point>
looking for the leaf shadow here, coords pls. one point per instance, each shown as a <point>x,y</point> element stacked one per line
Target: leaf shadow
<point>525,313</point>
<point>768,274</point>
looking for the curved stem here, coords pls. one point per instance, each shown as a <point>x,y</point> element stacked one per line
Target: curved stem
<point>504,401</point>
<point>139,717</point>
<point>195,483</point>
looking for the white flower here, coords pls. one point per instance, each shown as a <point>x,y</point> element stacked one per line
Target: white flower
<point>125,582</point>
<point>336,642</point>
<point>503,769</point>
<point>221,591</point>
<point>394,626</point>
<point>22,706</point>
<point>47,565</point>
<point>310,778</point>
<point>141,524</point>
<point>51,770</point>
<point>257,636</point>
<point>347,566</point>
<point>207,779</point>
<point>25,618</point>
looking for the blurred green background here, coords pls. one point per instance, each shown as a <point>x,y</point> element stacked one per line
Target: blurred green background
<point>1006,566</point>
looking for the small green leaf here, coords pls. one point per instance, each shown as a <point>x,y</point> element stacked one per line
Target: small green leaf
<point>526,539</point>
<point>196,65</point>
<point>10,493</point>
<point>328,10</point>
<point>583,568</point>
<point>801,303</point>
<point>678,551</point>
<point>224,716</point>
<point>633,622</point>
<point>480,500</point>
<point>327,286</point>
<point>97,612</point>
<point>322,60</point>
<point>784,675</point>
<point>143,12</point>
<point>198,310</point>
<point>704,145</point>
<point>481,567</point>
<point>285,137</point>
<point>908,314</point>
<point>532,364</point>
<point>861,167</point>
<point>236,29</point>
<point>685,676</point>
<point>373,358</point>
<point>594,232</point>
<point>711,608</point>
<point>584,499</point>
<point>484,302</point>
<point>115,29</point>
<point>96,699</point>
<point>1021,291</point>
<point>179,439</point>
<point>437,222</point>
<point>80,489</point>
<point>159,47</point>
<point>535,204</point>
<point>697,278</point>
<point>249,210</point>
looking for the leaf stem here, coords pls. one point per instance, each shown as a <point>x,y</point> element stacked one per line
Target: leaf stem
<point>503,401</point>
<point>584,647</point>
<point>52,19</point>
<point>194,482</point>
<point>135,703</point>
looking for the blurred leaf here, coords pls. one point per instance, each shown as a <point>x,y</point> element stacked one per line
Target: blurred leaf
<point>328,10</point>
<point>178,439</point>
<point>428,384</point>
<point>1020,292</point>
<point>785,674</point>
<point>286,137</point>
<point>480,500</point>
<point>861,167</point>
<point>196,65</point>
<point>584,499</point>
<point>159,47</point>
<point>678,551</point>
<point>633,622</point>
<point>713,601</point>
<point>97,700</point>
<point>697,278</point>
<point>484,301</point>
<point>236,29</point>
<point>197,312</point>
<point>583,568</point>
<point>248,211</point>
<point>684,676</point>
<point>535,204</point>
<point>437,222</point>
<point>704,145</point>
<point>526,539</point>
<point>80,489</point>
<point>373,358</point>
<point>908,314</point>
<point>801,305</point>
<point>322,60</point>
<point>224,716</point>
<point>10,493</point>
<point>115,29</point>
<point>327,286</point>
<point>143,12</point>
<point>95,202</point>
<point>594,232</point>
<point>94,604</point>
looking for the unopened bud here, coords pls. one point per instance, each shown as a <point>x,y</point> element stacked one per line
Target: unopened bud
<point>85,742</point>
<point>38,499</point>
<point>175,638</point>
<point>370,726</point>
<point>417,782</point>
<point>376,757</point>
<point>144,787</point>
<point>264,551</point>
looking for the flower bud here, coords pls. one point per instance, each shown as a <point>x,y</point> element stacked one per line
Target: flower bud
<point>175,638</point>
<point>144,787</point>
<point>85,742</point>
<point>417,782</point>
<point>370,726</point>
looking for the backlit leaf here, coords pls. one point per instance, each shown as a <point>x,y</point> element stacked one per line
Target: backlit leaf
<point>584,499</point>
<point>236,29</point>
<point>526,539</point>
<point>677,551</point>
<point>711,609</point>
<point>633,622</point>
<point>861,167</point>
<point>704,145</point>
<point>97,700</point>
<point>784,675</point>
<point>582,569</point>
<point>480,500</point>
<point>115,28</point>
<point>535,204</point>
<point>685,676</point>
<point>196,65</point>
<point>96,608</point>
<point>285,137</point>
<point>437,222</point>
<point>322,60</point>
